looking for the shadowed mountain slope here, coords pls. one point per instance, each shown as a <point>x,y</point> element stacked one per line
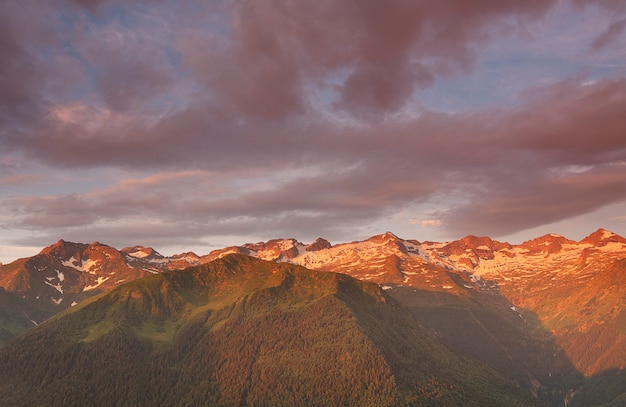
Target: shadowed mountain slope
<point>242,331</point>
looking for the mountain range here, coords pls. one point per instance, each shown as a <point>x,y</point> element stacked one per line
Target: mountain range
<point>546,316</point>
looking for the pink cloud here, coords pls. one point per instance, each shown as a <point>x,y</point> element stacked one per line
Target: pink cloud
<point>388,49</point>
<point>611,35</point>
<point>201,93</point>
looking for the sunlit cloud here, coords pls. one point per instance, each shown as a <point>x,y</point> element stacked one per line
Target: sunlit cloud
<point>168,122</point>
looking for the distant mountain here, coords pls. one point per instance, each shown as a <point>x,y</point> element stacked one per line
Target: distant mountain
<point>61,272</point>
<point>242,331</point>
<point>66,273</point>
<point>547,314</point>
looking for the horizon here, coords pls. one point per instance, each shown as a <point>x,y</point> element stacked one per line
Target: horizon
<point>200,252</point>
<point>208,124</point>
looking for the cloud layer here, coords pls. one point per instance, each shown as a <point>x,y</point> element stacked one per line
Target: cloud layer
<point>268,118</point>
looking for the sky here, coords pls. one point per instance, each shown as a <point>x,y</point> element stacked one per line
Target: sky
<point>193,125</point>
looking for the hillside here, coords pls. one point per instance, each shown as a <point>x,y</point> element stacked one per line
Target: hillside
<point>546,314</point>
<point>65,273</point>
<point>241,331</point>
<point>573,290</point>
<point>540,313</point>
<point>14,316</point>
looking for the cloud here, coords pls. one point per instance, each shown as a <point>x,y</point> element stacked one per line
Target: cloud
<point>545,201</point>
<point>162,63</point>
<point>89,4</point>
<point>559,155</point>
<point>383,50</point>
<point>612,5</point>
<point>431,223</point>
<point>611,35</point>
<point>274,117</point>
<point>198,202</point>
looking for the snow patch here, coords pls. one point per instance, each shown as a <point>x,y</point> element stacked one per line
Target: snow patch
<point>285,245</point>
<point>606,234</point>
<point>90,265</point>
<point>98,284</point>
<point>80,265</point>
<point>139,254</point>
<point>70,263</point>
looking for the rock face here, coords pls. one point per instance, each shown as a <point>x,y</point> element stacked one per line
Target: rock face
<point>602,237</point>
<point>66,273</point>
<point>547,244</point>
<point>318,244</point>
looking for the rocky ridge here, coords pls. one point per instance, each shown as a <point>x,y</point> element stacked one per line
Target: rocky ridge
<point>576,289</point>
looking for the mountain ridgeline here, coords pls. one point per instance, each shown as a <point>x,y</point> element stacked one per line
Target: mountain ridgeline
<point>384,321</point>
<point>242,331</point>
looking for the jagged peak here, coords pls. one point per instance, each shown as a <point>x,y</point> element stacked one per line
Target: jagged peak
<point>480,240</point>
<point>141,251</point>
<point>318,244</point>
<point>191,255</point>
<point>602,236</point>
<point>549,237</point>
<point>385,237</point>
<point>390,235</point>
<point>477,242</point>
<point>63,246</point>
<point>548,243</point>
<point>280,243</point>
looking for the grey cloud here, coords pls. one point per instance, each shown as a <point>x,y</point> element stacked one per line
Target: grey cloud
<point>611,35</point>
<point>236,103</point>
<point>257,73</point>
<point>573,123</point>
<point>612,5</point>
<point>504,211</point>
<point>493,158</point>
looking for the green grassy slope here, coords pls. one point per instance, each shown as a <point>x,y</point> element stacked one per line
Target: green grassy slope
<point>510,341</point>
<point>241,331</point>
<point>14,316</point>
